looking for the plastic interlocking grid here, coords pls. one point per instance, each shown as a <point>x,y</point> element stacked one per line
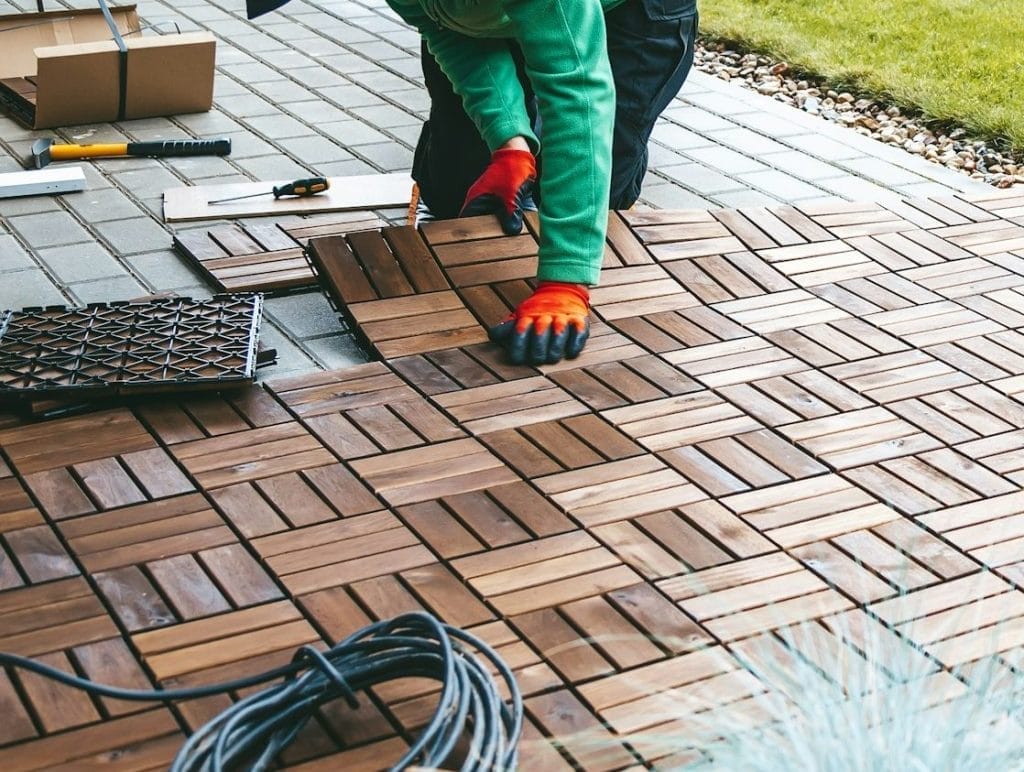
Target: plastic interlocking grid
<point>130,346</point>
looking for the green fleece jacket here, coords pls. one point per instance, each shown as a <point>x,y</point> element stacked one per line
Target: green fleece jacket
<point>563,45</point>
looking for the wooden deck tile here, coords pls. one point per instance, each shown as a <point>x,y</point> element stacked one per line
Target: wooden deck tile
<point>796,435</point>
<point>859,437</point>
<point>684,420</point>
<point>734,361</point>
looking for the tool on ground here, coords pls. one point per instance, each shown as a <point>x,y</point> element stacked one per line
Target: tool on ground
<point>38,182</point>
<point>301,188</point>
<point>45,150</point>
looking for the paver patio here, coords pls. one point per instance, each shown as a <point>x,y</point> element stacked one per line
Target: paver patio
<point>801,408</point>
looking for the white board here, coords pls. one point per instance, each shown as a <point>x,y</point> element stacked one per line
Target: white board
<point>371,191</point>
<point>42,182</point>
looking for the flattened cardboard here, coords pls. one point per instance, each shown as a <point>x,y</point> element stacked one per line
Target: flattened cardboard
<point>75,68</point>
<point>369,191</point>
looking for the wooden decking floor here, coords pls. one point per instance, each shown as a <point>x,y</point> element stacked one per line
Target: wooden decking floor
<point>783,416</point>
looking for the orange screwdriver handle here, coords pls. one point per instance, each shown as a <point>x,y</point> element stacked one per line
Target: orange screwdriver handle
<point>303,188</point>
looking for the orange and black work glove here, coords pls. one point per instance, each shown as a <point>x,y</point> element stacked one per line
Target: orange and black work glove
<point>552,323</point>
<point>503,188</point>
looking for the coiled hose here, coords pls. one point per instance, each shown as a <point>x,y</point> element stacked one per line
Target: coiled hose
<point>254,730</point>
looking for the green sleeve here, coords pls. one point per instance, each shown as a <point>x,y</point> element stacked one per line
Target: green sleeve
<point>566,54</point>
<point>565,51</point>
<point>481,71</point>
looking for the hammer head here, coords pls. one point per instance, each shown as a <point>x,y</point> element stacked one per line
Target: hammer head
<point>40,154</point>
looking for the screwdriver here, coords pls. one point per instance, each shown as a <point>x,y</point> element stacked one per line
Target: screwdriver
<point>301,188</point>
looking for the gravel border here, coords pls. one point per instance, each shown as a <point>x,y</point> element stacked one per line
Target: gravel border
<point>885,122</point>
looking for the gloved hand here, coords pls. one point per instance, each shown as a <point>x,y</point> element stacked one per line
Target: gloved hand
<point>503,188</point>
<point>553,322</point>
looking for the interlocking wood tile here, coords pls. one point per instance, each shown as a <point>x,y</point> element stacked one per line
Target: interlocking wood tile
<point>553,446</point>
<point>241,641</point>
<point>794,397</point>
<point>930,481</point>
<point>734,361</point>
<point>682,420</point>
<point>545,573</point>
<point>989,530</point>
<point>881,562</point>
<point>961,620</point>
<point>1004,203</point>
<point>618,490</point>
<point>342,552</point>
<point>672,330</point>
<point>985,238</point>
<point>972,276</point>
<point>253,258</point>
<point>794,436</point>
<point>505,405</point>
<point>1002,453</point>
<point>903,375</point>
<point>859,437</point>
<point>845,219</point>
<point>636,290</point>
<point>822,262</point>
<point>251,455</point>
<point>809,510</point>
<point>751,596</point>
<point>721,278</point>
<point>423,474</point>
<point>781,311</point>
<point>741,462</point>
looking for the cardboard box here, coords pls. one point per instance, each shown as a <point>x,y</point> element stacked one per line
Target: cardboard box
<point>64,67</point>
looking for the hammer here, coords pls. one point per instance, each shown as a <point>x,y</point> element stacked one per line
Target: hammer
<point>44,150</point>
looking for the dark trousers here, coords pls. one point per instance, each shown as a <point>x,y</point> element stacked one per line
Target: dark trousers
<point>650,47</point>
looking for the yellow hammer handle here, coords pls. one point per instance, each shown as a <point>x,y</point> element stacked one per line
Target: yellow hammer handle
<point>71,152</point>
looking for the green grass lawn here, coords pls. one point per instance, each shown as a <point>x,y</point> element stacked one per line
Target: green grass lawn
<point>957,60</point>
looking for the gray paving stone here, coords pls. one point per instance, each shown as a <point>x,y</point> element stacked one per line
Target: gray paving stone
<point>80,262</point>
<point>335,351</point>
<point>697,119</point>
<point>28,288</point>
<point>272,167</point>
<point>385,116</point>
<point>283,92</point>
<point>316,112</point>
<point>107,290</point>
<point>353,133</point>
<point>746,141</point>
<point>165,270</point>
<point>12,207</point>
<point>675,137</point>
<point>718,103</point>
<point>735,199</point>
<point>668,196</point>
<point>290,357</point>
<point>801,165</point>
<point>279,126</point>
<point>880,171</point>
<point>140,234</point>
<point>853,188</point>
<point>822,147</point>
<point>780,185</point>
<point>352,168</point>
<point>314,150</point>
<point>351,97</point>
<point>924,189</point>
<point>699,178</point>
<point>305,314</point>
<point>49,229</point>
<point>725,160</point>
<point>12,256</point>
<point>389,156</point>
<point>245,106</point>
<point>248,145</point>
<point>770,125</point>
<point>146,183</point>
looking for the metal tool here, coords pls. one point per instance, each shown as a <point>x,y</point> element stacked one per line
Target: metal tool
<point>44,150</point>
<point>301,188</point>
